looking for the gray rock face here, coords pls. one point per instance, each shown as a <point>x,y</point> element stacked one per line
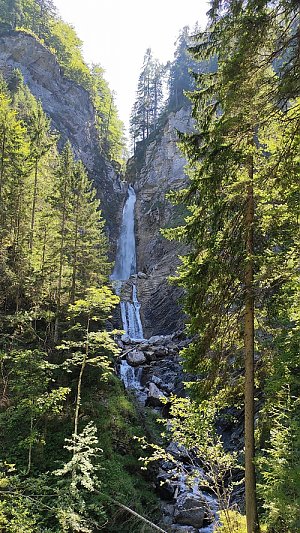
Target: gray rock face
<point>189,511</point>
<point>155,395</point>
<point>72,114</point>
<point>179,452</point>
<point>136,358</point>
<point>142,275</point>
<point>162,170</point>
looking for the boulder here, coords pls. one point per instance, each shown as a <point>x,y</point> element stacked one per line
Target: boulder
<point>144,346</point>
<point>150,355</point>
<point>142,275</point>
<point>126,339</point>
<point>136,358</point>
<point>190,510</point>
<point>154,396</point>
<point>155,340</point>
<point>160,351</point>
<point>165,486</point>
<point>172,347</point>
<point>156,380</point>
<point>179,452</point>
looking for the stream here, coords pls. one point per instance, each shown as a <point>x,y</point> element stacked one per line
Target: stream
<point>150,369</point>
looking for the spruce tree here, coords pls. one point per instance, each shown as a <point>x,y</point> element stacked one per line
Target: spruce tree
<point>41,142</point>
<point>62,206</point>
<point>229,168</point>
<point>88,244</point>
<point>147,106</point>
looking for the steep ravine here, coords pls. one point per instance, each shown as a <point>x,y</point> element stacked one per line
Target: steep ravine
<point>151,368</point>
<point>161,170</point>
<point>150,364</point>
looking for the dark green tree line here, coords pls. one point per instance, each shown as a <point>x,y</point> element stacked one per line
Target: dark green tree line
<point>243,258</point>
<point>149,99</point>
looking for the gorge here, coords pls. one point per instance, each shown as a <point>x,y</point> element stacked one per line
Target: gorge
<point>149,317</point>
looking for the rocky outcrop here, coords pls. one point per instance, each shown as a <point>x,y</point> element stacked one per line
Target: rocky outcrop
<point>190,510</point>
<point>136,358</point>
<point>71,111</point>
<point>161,170</point>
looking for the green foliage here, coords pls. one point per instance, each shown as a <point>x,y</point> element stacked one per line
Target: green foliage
<point>232,522</point>
<point>146,109</point>
<point>246,139</point>
<point>279,465</point>
<point>192,426</point>
<point>53,276</point>
<point>110,127</point>
<point>49,213</point>
<point>79,475</point>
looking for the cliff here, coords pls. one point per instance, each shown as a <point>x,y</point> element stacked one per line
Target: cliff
<point>161,169</point>
<point>70,108</point>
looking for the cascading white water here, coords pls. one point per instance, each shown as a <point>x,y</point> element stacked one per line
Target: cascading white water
<point>125,266</point>
<point>130,376</point>
<point>189,484</point>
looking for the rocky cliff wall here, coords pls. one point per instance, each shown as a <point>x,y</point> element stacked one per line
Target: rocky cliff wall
<point>162,169</point>
<point>70,108</point>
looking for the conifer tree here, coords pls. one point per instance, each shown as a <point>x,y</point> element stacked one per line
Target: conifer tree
<point>229,166</point>
<point>148,100</point>
<point>88,246</point>
<point>62,206</point>
<point>41,142</point>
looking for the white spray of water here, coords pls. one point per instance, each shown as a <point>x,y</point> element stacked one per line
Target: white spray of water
<point>130,376</point>
<point>125,266</point>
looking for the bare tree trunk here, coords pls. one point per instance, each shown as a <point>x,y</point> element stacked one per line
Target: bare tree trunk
<point>83,365</point>
<point>3,145</point>
<point>250,479</point>
<point>33,205</point>
<point>2,164</point>
<point>61,254</point>
<point>44,254</point>
<point>74,270</point>
<point>30,447</point>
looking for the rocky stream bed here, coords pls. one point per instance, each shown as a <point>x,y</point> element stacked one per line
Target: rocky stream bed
<point>151,369</point>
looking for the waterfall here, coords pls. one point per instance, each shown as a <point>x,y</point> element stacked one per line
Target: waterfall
<point>125,266</point>
<point>130,376</point>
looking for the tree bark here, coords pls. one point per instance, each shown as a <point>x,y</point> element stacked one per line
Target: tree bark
<point>250,478</point>
<point>83,365</point>
<point>61,255</point>
<point>33,208</point>
<point>74,267</point>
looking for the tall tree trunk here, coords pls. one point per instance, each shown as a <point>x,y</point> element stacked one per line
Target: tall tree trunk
<point>250,480</point>
<point>44,254</point>
<point>2,215</point>
<point>33,208</point>
<point>83,365</point>
<point>61,256</point>
<point>2,163</point>
<point>29,461</point>
<point>74,270</point>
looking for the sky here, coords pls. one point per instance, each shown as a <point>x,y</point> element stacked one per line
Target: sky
<point>116,34</point>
